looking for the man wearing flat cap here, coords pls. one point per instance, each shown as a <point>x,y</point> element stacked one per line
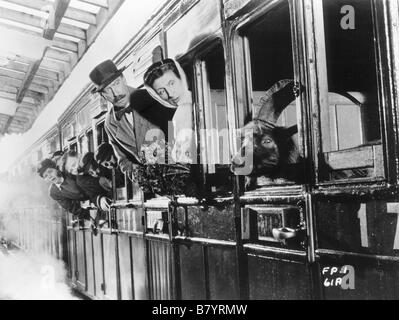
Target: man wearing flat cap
<point>132,115</point>
<point>69,192</point>
<point>63,189</point>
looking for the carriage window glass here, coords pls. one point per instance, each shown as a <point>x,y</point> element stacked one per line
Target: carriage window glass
<point>90,139</point>
<point>74,147</point>
<point>83,144</point>
<point>350,121</point>
<point>272,103</point>
<point>101,134</point>
<point>215,149</point>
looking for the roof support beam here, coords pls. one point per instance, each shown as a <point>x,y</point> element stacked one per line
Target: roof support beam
<point>71,13</point>
<point>37,22</point>
<point>55,17</point>
<point>5,129</point>
<point>10,92</point>
<point>27,81</point>
<point>102,3</point>
<point>57,42</point>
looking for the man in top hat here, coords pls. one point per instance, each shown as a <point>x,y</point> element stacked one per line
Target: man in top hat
<point>132,115</point>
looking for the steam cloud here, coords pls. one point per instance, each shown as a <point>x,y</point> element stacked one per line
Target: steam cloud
<point>28,275</point>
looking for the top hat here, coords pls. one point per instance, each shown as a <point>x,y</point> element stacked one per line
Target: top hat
<point>104,74</point>
<point>44,165</point>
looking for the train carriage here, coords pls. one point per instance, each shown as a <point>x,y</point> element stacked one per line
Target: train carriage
<point>280,239</point>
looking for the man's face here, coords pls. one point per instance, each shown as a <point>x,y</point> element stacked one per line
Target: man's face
<point>169,87</point>
<point>72,165</point>
<point>110,163</point>
<point>52,175</point>
<point>117,92</point>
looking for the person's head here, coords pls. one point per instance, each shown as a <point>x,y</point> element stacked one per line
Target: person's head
<point>71,162</point>
<point>105,156</point>
<point>164,78</point>
<point>56,157</point>
<point>110,83</point>
<point>48,171</point>
<point>90,165</point>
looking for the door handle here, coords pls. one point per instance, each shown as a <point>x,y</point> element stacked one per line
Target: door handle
<point>281,234</point>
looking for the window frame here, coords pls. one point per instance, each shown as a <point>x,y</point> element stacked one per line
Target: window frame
<point>242,85</point>
<point>319,88</point>
<point>199,89</point>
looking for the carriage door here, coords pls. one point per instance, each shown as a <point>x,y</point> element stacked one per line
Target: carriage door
<point>273,200</point>
<point>356,218</point>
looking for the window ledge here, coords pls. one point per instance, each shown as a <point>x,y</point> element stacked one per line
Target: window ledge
<point>376,190</point>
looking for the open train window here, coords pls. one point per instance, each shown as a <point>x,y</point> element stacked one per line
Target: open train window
<point>90,140</point>
<point>74,147</point>
<point>215,153</point>
<point>351,145</point>
<point>268,151</point>
<point>101,134</point>
<point>83,144</point>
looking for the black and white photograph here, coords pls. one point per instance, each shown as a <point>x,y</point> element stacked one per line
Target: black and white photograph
<point>217,151</point>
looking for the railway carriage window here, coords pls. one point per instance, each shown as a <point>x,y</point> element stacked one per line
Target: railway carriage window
<point>350,121</point>
<point>74,147</point>
<point>215,149</point>
<point>90,139</point>
<point>268,57</point>
<point>101,134</point>
<point>83,144</point>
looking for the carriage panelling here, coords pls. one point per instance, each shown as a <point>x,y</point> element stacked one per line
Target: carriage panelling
<point>277,279</point>
<point>374,278</point>
<point>139,268</point>
<point>110,266</point>
<point>192,273</point>
<point>90,285</point>
<point>98,266</point>
<point>125,266</point>
<point>81,259</point>
<point>72,255</point>
<point>160,268</point>
<point>356,226</point>
<point>223,273</point>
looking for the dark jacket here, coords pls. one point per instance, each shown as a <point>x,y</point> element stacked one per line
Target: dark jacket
<point>69,196</point>
<point>76,189</point>
<point>92,188</point>
<point>127,140</point>
<point>151,110</point>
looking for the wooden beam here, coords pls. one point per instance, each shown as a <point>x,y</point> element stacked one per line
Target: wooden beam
<point>23,67</point>
<point>37,32</point>
<point>41,79</point>
<point>71,13</point>
<point>37,22</point>
<point>55,17</point>
<point>27,81</point>
<point>10,92</point>
<point>20,75</point>
<point>8,123</point>
<point>7,81</point>
<point>98,3</point>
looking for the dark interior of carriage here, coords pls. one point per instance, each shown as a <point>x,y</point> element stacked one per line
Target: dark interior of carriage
<point>350,128</point>
<point>270,47</point>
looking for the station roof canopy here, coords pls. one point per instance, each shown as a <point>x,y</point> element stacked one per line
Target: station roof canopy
<point>41,41</point>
